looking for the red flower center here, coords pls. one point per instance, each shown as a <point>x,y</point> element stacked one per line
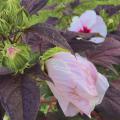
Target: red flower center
<point>85,30</point>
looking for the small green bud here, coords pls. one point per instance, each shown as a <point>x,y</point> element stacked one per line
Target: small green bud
<point>17,57</point>
<point>12,51</point>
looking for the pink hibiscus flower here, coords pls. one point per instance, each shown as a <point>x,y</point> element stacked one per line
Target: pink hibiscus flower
<point>77,86</point>
<point>89,22</point>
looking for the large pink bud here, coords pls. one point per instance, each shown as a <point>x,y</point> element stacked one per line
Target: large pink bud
<point>77,86</point>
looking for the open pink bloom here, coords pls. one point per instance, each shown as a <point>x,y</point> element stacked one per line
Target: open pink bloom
<point>89,22</point>
<point>77,86</point>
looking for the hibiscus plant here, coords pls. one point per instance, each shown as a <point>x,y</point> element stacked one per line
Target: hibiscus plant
<point>33,54</point>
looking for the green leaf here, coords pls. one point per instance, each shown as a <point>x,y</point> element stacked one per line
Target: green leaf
<point>19,18</point>
<point>49,53</point>
<point>4,27</point>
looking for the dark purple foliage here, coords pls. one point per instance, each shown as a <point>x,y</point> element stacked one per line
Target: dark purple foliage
<point>52,21</point>
<point>110,9</point>
<point>20,97</point>
<point>106,54</point>
<point>33,6</point>
<point>44,36</point>
<point>75,3</point>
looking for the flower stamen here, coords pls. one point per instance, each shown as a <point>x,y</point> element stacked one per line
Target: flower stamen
<point>85,29</point>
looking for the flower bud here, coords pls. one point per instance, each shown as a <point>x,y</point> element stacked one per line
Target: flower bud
<point>17,57</point>
<point>77,84</point>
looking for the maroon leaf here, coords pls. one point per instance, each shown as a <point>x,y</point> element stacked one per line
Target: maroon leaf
<point>37,44</point>
<point>30,98</point>
<point>106,54</point>
<point>75,3</point>
<point>68,9</point>
<point>115,35</point>
<point>44,35</point>
<point>110,9</point>
<point>33,6</point>
<point>38,73</point>
<point>5,71</point>
<point>52,21</point>
<point>20,97</point>
<point>50,7</point>
<point>109,109</point>
<point>81,45</point>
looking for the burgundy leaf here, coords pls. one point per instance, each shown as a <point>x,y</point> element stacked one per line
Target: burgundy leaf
<point>30,98</point>
<point>115,35</point>
<point>110,9</point>
<point>33,6</point>
<point>81,45</point>
<point>109,109</point>
<point>75,3</point>
<point>68,9</point>
<point>106,54</point>
<point>52,21</point>
<point>19,97</point>
<point>5,71</point>
<point>37,44</point>
<point>44,34</point>
<point>50,7</point>
<point>38,73</point>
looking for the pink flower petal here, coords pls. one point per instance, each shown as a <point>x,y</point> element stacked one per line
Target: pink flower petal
<point>69,109</point>
<point>58,71</point>
<point>63,101</point>
<point>87,65</point>
<point>102,85</point>
<point>82,105</point>
<point>100,27</point>
<point>75,25</point>
<point>88,18</point>
<point>77,75</point>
